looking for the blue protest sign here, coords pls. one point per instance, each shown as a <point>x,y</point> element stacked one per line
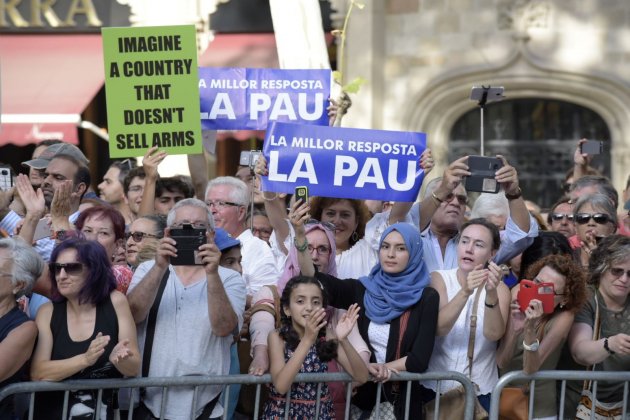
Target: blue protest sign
<point>249,99</point>
<point>344,162</point>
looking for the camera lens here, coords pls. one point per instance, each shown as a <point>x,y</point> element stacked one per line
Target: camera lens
<point>4,172</point>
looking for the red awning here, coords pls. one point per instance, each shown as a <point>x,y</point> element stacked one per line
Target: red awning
<point>241,50</point>
<point>47,82</point>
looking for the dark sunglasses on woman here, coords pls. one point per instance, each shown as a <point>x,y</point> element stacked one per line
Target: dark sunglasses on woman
<point>599,218</point>
<point>71,269</point>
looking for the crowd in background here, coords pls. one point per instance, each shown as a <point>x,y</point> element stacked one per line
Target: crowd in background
<point>147,277</point>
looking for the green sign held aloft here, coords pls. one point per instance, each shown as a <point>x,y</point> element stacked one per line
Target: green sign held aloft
<point>151,84</point>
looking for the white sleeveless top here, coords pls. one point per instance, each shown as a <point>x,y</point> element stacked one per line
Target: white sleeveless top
<point>450,353</point>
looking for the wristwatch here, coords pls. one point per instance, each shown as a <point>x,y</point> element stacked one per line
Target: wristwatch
<point>514,196</point>
<point>532,347</point>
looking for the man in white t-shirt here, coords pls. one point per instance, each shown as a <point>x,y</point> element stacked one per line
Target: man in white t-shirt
<point>199,311</point>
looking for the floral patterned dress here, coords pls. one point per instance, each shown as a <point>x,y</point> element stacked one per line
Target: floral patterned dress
<point>303,395</point>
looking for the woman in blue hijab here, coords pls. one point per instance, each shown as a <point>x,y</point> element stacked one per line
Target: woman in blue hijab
<point>395,296</point>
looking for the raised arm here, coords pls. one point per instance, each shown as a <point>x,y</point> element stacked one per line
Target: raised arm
<point>508,178</point>
<point>223,319</point>
<point>143,294</point>
<point>150,163</point>
<point>274,206</point>
<point>400,209</point>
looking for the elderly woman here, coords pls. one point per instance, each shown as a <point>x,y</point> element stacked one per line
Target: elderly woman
<point>106,225</point>
<point>609,271</point>
<point>533,340</point>
<point>87,332</point>
<point>475,274</point>
<point>144,232</point>
<point>595,218</point>
<point>20,266</point>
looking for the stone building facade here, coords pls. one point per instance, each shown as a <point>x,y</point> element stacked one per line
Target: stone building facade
<point>421,58</point>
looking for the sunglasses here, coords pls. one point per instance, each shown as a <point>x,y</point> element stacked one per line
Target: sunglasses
<point>556,217</point>
<point>139,236</point>
<point>326,225</point>
<point>618,272</point>
<point>461,198</point>
<point>72,269</point>
<point>599,218</point>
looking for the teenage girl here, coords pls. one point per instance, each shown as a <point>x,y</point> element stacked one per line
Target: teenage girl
<point>301,346</point>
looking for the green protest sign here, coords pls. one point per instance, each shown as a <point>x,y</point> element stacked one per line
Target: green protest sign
<point>151,85</point>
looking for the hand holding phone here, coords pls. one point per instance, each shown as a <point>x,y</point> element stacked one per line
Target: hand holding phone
<point>529,290</point>
<point>301,193</point>
<point>482,174</point>
<point>188,240</point>
<point>592,147</point>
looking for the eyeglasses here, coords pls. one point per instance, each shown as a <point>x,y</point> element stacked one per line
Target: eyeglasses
<point>321,250</point>
<point>72,269</point>
<point>618,272</point>
<point>556,217</point>
<point>195,225</point>
<point>138,236</point>
<point>599,218</point>
<point>326,225</point>
<point>222,204</point>
<point>461,198</point>
<point>539,280</point>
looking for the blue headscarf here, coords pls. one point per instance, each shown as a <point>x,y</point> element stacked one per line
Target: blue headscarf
<point>387,296</point>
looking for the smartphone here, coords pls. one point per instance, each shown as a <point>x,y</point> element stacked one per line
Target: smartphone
<point>592,147</point>
<point>42,230</point>
<point>301,193</point>
<point>529,290</point>
<point>6,177</point>
<point>188,240</point>
<point>249,158</point>
<point>492,94</point>
<point>482,170</point>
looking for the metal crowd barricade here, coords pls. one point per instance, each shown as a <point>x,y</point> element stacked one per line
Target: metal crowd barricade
<point>556,375</point>
<point>195,381</point>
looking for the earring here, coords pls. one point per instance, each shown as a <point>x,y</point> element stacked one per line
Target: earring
<point>355,236</point>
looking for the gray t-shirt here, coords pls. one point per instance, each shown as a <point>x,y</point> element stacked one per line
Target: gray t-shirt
<point>612,323</point>
<point>184,345</point>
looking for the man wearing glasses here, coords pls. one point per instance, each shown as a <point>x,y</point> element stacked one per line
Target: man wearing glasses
<point>227,199</point>
<point>560,218</point>
<point>442,212</point>
<point>200,308</point>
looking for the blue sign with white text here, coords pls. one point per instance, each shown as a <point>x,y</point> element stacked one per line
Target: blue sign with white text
<point>250,99</point>
<point>344,162</point>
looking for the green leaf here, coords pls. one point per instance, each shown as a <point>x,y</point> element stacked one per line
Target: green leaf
<point>354,85</point>
<point>337,76</point>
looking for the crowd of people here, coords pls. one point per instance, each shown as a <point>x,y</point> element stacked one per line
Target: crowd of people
<point>147,277</point>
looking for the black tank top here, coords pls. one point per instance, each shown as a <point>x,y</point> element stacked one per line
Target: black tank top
<point>8,322</point>
<point>49,405</point>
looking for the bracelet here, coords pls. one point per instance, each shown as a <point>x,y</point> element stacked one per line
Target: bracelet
<point>514,196</point>
<point>436,198</point>
<point>489,305</point>
<point>610,352</point>
<point>300,248</point>
<point>275,195</point>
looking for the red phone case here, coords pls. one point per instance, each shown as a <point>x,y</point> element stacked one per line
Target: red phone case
<point>531,290</point>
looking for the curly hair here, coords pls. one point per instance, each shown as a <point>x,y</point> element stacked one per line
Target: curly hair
<point>575,279</point>
<point>319,204</point>
<point>326,349</point>
<point>611,250</point>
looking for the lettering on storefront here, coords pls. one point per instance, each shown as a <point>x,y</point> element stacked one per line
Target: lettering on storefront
<point>37,14</point>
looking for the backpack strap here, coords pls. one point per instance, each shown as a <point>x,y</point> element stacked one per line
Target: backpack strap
<point>150,331</point>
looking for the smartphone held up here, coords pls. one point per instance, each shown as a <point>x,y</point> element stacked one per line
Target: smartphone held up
<point>530,290</point>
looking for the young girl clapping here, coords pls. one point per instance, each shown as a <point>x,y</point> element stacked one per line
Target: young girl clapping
<point>300,346</point>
